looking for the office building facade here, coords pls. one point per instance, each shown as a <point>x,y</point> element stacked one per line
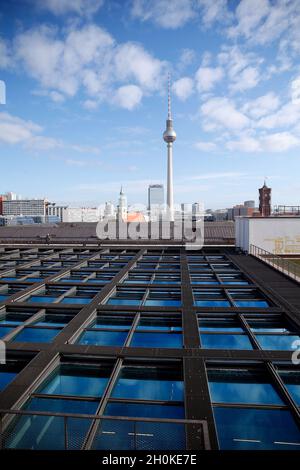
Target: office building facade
<point>24,207</point>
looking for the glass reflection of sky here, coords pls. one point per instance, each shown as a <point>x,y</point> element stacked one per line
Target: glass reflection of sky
<point>6,378</point>
<point>292,383</point>
<point>103,338</point>
<point>148,389</point>
<point>211,341</point>
<point>156,340</point>
<point>78,385</point>
<point>246,388</point>
<point>277,342</point>
<point>256,429</point>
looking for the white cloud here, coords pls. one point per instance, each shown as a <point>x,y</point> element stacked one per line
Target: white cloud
<point>248,78</point>
<point>90,104</point>
<point>277,142</point>
<point>242,68</point>
<point>205,146</point>
<point>85,58</point>
<point>80,7</point>
<point>183,88</point>
<point>244,144</point>
<point>207,77</point>
<point>133,61</point>
<point>164,13</point>
<point>280,142</point>
<point>263,21</point>
<point>295,90</point>
<point>287,116</point>
<point>213,11</point>
<point>249,14</point>
<point>82,163</point>
<point>187,57</point>
<point>129,96</point>
<point>14,130</point>
<point>217,175</point>
<point>5,57</point>
<point>261,105</point>
<point>221,112</point>
<point>56,97</point>
<point>78,163</point>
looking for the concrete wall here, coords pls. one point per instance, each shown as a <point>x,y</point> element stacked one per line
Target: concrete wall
<point>279,235</point>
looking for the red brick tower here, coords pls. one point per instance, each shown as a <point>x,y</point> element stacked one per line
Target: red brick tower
<point>265,201</point>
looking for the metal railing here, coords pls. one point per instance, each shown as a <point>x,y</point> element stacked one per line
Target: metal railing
<point>42,430</point>
<point>284,265</point>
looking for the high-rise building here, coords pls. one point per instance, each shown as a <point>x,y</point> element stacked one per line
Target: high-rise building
<point>169,137</point>
<point>156,196</point>
<point>265,200</point>
<point>249,204</point>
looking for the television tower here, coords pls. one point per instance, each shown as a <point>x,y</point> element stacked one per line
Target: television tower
<point>169,136</point>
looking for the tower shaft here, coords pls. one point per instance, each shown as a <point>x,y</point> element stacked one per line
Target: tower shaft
<point>170,193</point>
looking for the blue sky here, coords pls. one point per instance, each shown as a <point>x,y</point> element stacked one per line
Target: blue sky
<point>86,98</point>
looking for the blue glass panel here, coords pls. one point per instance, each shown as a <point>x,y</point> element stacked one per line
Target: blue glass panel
<point>120,435</point>
<point>148,389</point>
<point>251,303</point>
<point>212,303</point>
<point>277,342</point>
<point>225,341</point>
<point>36,335</point>
<point>51,323</point>
<point>251,429</point>
<point>292,383</point>
<point>3,297</point>
<point>103,338</point>
<point>6,378</point>
<point>241,387</point>
<point>72,383</point>
<point>117,301</point>
<point>61,405</point>
<point>268,327</point>
<point>41,299</point>
<point>194,281</point>
<point>156,340</point>
<point>47,432</point>
<point>5,321</point>
<point>225,325</point>
<point>153,325</point>
<point>34,279</point>
<point>76,300</point>
<point>4,330</point>
<point>162,302</point>
<point>143,410</point>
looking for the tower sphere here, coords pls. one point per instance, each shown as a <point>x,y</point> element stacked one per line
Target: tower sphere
<point>169,135</point>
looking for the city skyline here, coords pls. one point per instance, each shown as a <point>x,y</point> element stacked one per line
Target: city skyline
<point>86,99</point>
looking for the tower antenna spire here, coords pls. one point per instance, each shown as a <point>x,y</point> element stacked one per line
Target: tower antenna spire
<point>169,97</point>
